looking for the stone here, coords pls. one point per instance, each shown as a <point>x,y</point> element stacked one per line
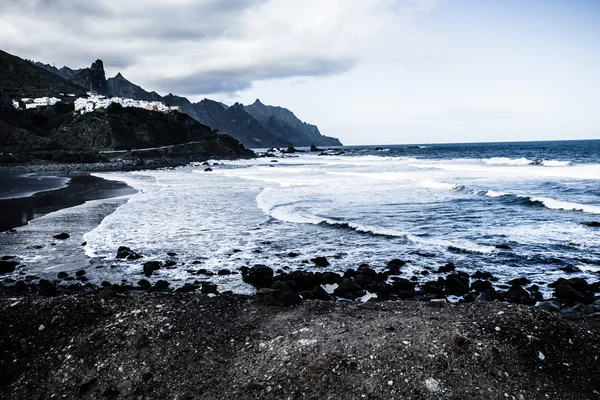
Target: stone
<point>160,286</point>
<point>446,268</point>
<point>258,276</point>
<point>209,288</point>
<point>567,295</point>
<point>208,169</point>
<point>396,263</point>
<point>188,287</point>
<point>320,261</point>
<point>62,236</point>
<point>503,247</point>
<point>482,275</point>
<point>80,273</point>
<point>62,275</point>
<point>144,284</point>
<point>317,293</point>
<point>570,269</point>
<point>519,281</point>
<point>549,305</point>
<point>151,266</point>
<point>126,252</point>
<point>224,272</point>
<point>106,294</point>
<point>349,289</point>
<point>7,267</point>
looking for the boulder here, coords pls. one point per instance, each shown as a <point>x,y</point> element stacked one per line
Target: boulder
<point>62,275</point>
<point>126,252</point>
<point>8,266</point>
<point>317,293</point>
<point>567,295</point>
<point>549,305</point>
<point>349,289</point>
<point>62,236</point>
<point>258,276</point>
<point>446,268</point>
<point>209,288</point>
<point>516,294</point>
<point>150,267</point>
<point>320,261</point>
<point>483,275</point>
<point>457,284</point>
<point>160,286</point>
<point>144,284</point>
<point>519,281</point>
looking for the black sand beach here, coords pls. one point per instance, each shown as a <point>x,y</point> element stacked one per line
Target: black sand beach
<point>52,193</point>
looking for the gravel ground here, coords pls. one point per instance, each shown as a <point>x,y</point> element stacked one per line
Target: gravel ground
<point>188,346</point>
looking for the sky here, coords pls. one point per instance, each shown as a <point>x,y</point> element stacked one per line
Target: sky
<point>367,72</point>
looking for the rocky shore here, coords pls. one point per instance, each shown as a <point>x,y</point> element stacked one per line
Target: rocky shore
<point>188,345</point>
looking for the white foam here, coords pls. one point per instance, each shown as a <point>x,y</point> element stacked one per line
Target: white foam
<point>554,163</point>
<point>493,193</point>
<point>568,206</point>
<point>506,161</point>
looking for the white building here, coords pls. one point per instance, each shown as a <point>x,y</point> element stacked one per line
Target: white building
<point>39,102</point>
<point>16,104</point>
<point>95,102</point>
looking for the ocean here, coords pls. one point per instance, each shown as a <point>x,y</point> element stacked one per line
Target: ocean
<point>522,209</point>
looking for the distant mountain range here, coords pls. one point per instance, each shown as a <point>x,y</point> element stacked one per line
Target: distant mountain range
<point>256,125</point>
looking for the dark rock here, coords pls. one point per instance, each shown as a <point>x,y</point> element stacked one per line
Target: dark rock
<point>6,258</point>
<point>482,275</point>
<point>21,286</point>
<point>317,293</point>
<point>188,287</point>
<point>83,244</point>
<point>447,268</point>
<point>169,263</point>
<point>287,298</point>
<point>292,254</point>
<point>106,294</point>
<point>503,246</point>
<point>151,266</point>
<point>80,273</point>
<point>457,284</point>
<point>171,254</point>
<point>570,269</point>
<point>516,294</point>
<point>481,286</point>
<point>519,281</point>
<point>144,284</point>
<point>349,289</point>
<point>258,276</point>
<point>46,288</point>
<point>384,290</point>
<point>567,295</point>
<point>593,224</point>
<point>549,305</point>
<point>8,266</point>
<point>209,288</point>
<point>224,272</point>
<point>320,261</point>
<point>126,252</point>
<point>106,284</point>
<point>207,169</point>
<point>160,286</point>
<point>578,284</point>
<point>62,275</point>
<point>62,236</point>
<point>314,148</point>
<point>396,263</point>
<point>402,284</point>
<point>330,278</point>
<point>85,387</point>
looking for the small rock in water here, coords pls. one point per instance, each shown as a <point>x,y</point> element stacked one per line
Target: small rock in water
<point>62,236</point>
<point>320,261</point>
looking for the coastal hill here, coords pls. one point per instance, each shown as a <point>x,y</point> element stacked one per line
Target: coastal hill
<point>20,78</point>
<point>56,133</point>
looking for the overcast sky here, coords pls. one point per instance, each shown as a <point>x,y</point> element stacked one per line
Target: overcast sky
<point>366,71</point>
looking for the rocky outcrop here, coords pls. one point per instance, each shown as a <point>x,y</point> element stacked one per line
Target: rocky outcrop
<point>93,78</point>
<point>121,87</point>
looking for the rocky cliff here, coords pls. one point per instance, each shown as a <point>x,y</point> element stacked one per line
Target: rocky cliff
<point>93,78</point>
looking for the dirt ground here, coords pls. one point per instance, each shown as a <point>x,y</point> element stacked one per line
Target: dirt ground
<point>190,346</point>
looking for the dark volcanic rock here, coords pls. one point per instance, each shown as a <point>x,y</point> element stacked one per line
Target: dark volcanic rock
<point>447,268</point>
<point>320,261</point>
<point>567,295</point>
<point>317,293</point>
<point>349,289</point>
<point>7,266</point>
<point>519,281</point>
<point>126,252</point>
<point>258,276</point>
<point>151,266</point>
<point>62,236</point>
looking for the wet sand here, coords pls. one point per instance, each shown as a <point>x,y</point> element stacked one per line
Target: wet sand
<point>51,193</point>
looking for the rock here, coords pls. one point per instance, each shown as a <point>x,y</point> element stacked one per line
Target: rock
<point>577,310</point>
<point>516,294</point>
<point>62,275</point>
<point>378,149</point>
<point>349,289</point>
<point>482,275</point>
<point>209,288</point>
<point>481,286</point>
<point>503,247</point>
<point>317,293</point>
<point>519,281</point>
<point>62,236</point>
<point>549,305</point>
<point>457,284</point>
<point>292,254</point>
<point>258,276</point>
<point>567,295</point>
<point>447,268</point>
<point>144,284</point>
<point>46,288</point>
<point>21,286</point>
<point>106,294</point>
<point>80,273</point>
<point>151,266</point>
<point>188,287</point>
<point>171,254</point>
<point>593,224</point>
<point>8,266</point>
<point>6,258</point>
<point>224,272</point>
<point>287,298</point>
<point>570,269</point>
<point>320,261</point>
<point>208,169</point>
<point>314,148</point>
<point>578,284</point>
<point>169,263</point>
<point>126,252</point>
<point>396,263</point>
<point>160,286</point>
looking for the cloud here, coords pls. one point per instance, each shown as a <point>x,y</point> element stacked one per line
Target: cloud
<point>195,47</point>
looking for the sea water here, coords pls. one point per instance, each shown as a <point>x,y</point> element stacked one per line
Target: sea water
<point>428,205</point>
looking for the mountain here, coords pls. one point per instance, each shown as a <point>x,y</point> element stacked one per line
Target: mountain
<point>20,78</point>
<point>282,123</point>
<point>256,125</point>
<point>64,72</point>
<point>93,78</point>
<point>121,87</point>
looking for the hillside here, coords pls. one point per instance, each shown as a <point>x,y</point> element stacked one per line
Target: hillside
<point>20,78</point>
<point>282,123</point>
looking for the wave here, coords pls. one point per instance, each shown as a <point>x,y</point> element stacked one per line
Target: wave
<point>506,161</point>
<point>546,202</point>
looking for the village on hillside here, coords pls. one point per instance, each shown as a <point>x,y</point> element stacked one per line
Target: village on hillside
<point>93,102</point>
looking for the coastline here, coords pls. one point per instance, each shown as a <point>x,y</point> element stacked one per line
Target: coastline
<point>58,191</point>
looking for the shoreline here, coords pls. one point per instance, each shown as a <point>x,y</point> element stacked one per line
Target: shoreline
<point>76,188</point>
<point>187,345</point>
